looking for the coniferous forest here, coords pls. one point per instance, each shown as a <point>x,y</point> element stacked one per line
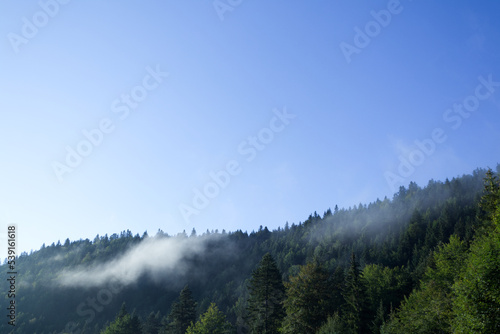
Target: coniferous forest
<point>425,261</point>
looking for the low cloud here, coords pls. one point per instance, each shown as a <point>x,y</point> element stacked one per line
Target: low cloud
<point>155,257</point>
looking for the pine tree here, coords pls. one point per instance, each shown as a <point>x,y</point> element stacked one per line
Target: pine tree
<point>333,325</point>
<point>211,322</point>
<point>490,199</point>
<point>183,312</point>
<point>267,293</point>
<point>152,324</point>
<point>379,319</point>
<point>308,302</point>
<point>477,291</point>
<point>337,282</point>
<point>124,323</point>
<point>429,308</point>
<point>354,295</point>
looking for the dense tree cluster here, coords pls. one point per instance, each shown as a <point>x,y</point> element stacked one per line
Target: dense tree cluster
<point>460,291</point>
<point>183,313</point>
<point>425,261</point>
<point>124,324</point>
<point>267,292</point>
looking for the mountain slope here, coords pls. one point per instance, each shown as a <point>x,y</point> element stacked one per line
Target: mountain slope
<point>82,284</point>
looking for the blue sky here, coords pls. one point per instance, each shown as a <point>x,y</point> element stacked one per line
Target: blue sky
<point>360,83</point>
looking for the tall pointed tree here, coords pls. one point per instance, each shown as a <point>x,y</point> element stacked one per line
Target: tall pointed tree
<point>211,322</point>
<point>152,324</point>
<point>308,302</point>
<point>490,199</point>
<point>267,293</point>
<point>124,323</point>
<point>354,295</point>
<point>183,312</point>
<point>477,290</point>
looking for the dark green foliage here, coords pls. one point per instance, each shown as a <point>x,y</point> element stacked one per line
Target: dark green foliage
<point>211,322</point>
<point>429,309</point>
<point>267,292</point>
<point>356,311</point>
<point>124,324</point>
<point>337,285</point>
<point>183,313</point>
<point>491,197</point>
<point>477,290</point>
<point>308,302</point>
<point>460,291</point>
<point>385,285</point>
<point>489,202</point>
<point>379,319</point>
<point>152,324</point>
<point>333,325</point>
<point>395,240</point>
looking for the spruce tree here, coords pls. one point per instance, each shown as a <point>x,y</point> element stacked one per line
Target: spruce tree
<point>152,324</point>
<point>183,312</point>
<point>379,319</point>
<point>354,295</point>
<point>211,322</point>
<point>477,291</point>
<point>267,292</point>
<point>308,302</point>
<point>124,323</point>
<point>490,199</point>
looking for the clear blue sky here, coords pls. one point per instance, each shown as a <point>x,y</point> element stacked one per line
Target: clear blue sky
<point>362,87</point>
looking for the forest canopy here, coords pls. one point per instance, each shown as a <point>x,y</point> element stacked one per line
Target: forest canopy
<point>425,261</point>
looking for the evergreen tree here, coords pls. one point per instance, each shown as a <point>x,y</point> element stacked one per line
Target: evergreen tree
<point>379,319</point>
<point>477,302</point>
<point>152,324</point>
<point>124,323</point>
<point>183,312</point>
<point>308,301</point>
<point>354,295</point>
<point>429,309</point>
<point>477,291</point>
<point>337,282</point>
<point>333,325</point>
<point>211,322</point>
<point>267,292</point>
<point>490,200</point>
<point>417,221</point>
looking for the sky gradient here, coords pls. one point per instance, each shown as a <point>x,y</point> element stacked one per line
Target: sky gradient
<point>176,115</point>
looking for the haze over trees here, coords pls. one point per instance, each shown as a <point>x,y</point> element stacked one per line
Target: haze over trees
<point>425,261</point>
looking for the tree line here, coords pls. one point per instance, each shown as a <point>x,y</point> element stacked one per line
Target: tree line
<point>424,261</point>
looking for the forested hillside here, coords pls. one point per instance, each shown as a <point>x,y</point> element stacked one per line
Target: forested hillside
<point>425,261</point>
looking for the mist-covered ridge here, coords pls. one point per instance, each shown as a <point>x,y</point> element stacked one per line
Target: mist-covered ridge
<point>148,271</point>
